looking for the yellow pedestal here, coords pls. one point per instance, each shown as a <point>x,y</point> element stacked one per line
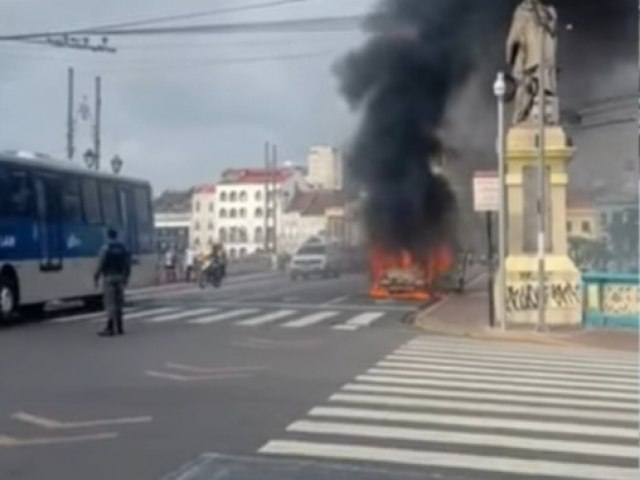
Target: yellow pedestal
<point>563,290</point>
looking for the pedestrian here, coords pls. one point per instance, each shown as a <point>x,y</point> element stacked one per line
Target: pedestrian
<point>170,264</point>
<point>114,267</point>
<point>189,263</point>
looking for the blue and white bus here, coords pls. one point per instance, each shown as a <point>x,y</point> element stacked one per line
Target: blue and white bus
<point>53,218</point>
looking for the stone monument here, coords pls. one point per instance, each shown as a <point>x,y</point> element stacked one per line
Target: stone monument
<point>532,59</point>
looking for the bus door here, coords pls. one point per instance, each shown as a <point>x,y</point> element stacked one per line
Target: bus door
<point>129,222</point>
<point>49,219</point>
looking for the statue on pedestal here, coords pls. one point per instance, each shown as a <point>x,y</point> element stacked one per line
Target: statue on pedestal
<point>532,53</point>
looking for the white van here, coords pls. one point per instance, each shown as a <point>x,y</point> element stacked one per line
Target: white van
<point>316,259</point>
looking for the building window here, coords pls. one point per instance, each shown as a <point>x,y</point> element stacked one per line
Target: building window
<point>243,196</point>
<point>242,235</point>
<point>196,243</point>
<point>210,226</point>
<point>196,226</point>
<point>258,196</point>
<point>223,196</point>
<point>233,213</point>
<point>210,241</point>
<point>243,213</point>
<point>243,252</point>
<point>223,213</point>
<point>233,235</point>
<point>569,227</point>
<point>586,227</point>
<point>232,253</point>
<point>210,207</point>
<point>258,235</point>
<point>196,206</point>
<point>222,235</point>
<point>259,213</point>
<point>233,196</point>
<point>270,213</point>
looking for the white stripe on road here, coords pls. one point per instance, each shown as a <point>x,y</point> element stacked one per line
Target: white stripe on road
<point>497,387</point>
<point>512,360</point>
<point>631,407</point>
<point>507,379</point>
<point>468,406</point>
<point>223,316</point>
<point>506,465</point>
<point>181,315</point>
<point>359,321</point>
<point>151,312</point>
<point>506,373</point>
<point>463,438</point>
<point>310,320</point>
<point>591,360</point>
<point>479,362</point>
<point>85,317</point>
<point>568,353</point>
<point>477,422</point>
<point>267,318</point>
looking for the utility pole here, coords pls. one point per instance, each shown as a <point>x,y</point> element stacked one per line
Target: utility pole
<point>70,122</point>
<point>96,131</point>
<point>267,153</point>
<point>274,183</point>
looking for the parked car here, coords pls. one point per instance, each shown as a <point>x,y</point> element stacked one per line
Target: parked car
<point>316,259</point>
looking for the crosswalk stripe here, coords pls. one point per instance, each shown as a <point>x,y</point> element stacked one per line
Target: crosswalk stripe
<point>446,360</point>
<point>224,316</point>
<point>497,387</point>
<point>266,318</point>
<point>498,370</point>
<point>359,321</point>
<point>506,354</point>
<point>502,464</point>
<point>463,438</point>
<point>467,406</point>
<point>512,360</point>
<point>151,312</point>
<point>477,422</point>
<point>507,379</point>
<point>85,317</point>
<point>541,350</point>
<point>310,320</point>
<point>436,392</point>
<point>180,315</point>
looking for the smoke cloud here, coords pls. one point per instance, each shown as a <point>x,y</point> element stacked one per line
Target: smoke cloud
<point>406,84</point>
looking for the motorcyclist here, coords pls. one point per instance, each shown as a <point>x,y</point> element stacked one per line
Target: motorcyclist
<point>215,258</point>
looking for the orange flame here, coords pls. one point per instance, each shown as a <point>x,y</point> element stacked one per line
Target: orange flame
<point>399,276</point>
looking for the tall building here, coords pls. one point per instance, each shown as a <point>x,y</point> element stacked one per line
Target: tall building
<point>172,219</point>
<point>325,168</point>
<point>243,215</point>
<point>203,217</point>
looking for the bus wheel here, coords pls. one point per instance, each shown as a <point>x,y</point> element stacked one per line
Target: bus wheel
<point>8,298</point>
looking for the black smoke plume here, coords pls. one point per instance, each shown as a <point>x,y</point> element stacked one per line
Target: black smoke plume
<point>419,55</point>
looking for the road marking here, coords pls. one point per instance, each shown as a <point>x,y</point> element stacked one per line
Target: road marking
<point>477,362</point>
<point>472,406</point>
<point>498,370</point>
<point>309,320</point>
<point>12,442</point>
<point>508,352</point>
<point>267,318</point>
<point>479,422</point>
<point>336,300</point>
<point>206,370</point>
<point>497,387</point>
<point>180,315</point>
<point>359,321</point>
<point>151,312</point>
<point>509,379</point>
<point>85,317</point>
<point>224,316</point>
<point>512,360</point>
<point>497,397</point>
<point>194,378</point>
<point>510,466</point>
<point>48,423</point>
<point>463,438</point>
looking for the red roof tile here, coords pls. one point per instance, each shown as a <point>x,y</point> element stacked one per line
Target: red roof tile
<point>249,175</point>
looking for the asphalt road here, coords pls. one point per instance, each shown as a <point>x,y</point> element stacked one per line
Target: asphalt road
<point>273,379</point>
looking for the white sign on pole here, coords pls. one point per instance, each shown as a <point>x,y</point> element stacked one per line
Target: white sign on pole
<point>486,191</point>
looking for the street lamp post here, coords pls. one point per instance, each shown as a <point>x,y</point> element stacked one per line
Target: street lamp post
<point>116,164</point>
<point>90,160</point>
<point>500,89</point>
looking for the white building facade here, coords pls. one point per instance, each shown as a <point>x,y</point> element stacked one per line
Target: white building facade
<point>243,216</point>
<point>203,217</point>
<point>325,168</point>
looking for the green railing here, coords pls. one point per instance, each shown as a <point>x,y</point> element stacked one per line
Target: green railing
<point>611,300</point>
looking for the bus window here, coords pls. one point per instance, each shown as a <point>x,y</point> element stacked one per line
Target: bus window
<point>109,201</point>
<point>91,202</point>
<point>143,210</point>
<point>71,201</point>
<point>18,199</point>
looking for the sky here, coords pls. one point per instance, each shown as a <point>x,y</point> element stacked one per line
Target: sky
<point>178,112</point>
<point>171,109</point>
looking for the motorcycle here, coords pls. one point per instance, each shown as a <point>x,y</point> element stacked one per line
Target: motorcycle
<point>212,273</point>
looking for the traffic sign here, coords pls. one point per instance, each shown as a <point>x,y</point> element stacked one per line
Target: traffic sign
<point>486,191</point>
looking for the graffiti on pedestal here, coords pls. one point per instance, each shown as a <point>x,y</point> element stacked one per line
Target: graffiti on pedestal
<point>558,294</point>
<point>620,299</point>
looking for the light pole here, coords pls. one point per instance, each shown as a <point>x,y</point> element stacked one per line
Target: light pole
<point>500,89</point>
<point>90,160</point>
